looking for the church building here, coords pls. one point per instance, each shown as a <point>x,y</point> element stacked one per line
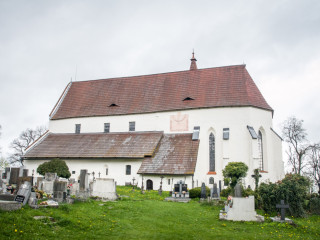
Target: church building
<point>155,130</point>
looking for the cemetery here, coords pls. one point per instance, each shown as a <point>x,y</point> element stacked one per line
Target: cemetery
<point>96,207</point>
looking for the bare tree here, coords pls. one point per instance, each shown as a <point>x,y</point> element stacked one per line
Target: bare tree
<point>295,135</point>
<point>26,138</point>
<point>314,164</point>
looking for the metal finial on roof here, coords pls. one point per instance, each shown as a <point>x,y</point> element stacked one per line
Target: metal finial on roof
<point>193,65</point>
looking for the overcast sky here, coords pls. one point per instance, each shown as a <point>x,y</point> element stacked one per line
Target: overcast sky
<point>43,44</point>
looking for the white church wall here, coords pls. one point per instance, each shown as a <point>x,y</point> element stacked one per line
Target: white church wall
<point>239,147</point>
<point>165,184</point>
<point>116,168</point>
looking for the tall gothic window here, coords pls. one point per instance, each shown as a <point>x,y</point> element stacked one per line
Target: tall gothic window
<point>212,158</point>
<point>260,146</point>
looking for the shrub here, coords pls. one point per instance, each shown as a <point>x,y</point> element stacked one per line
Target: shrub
<point>234,171</point>
<point>225,192</point>
<point>54,166</point>
<point>292,189</point>
<point>247,192</point>
<point>315,205</point>
<point>196,192</point>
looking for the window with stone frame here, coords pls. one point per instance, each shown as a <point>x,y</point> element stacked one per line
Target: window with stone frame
<point>128,169</point>
<point>260,150</point>
<point>212,160</point>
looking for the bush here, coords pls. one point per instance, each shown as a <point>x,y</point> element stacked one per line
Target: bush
<point>54,166</point>
<point>234,171</point>
<point>225,192</point>
<point>315,205</point>
<point>196,192</point>
<point>247,192</point>
<point>292,189</point>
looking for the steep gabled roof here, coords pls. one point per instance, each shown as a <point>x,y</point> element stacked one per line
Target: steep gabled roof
<point>211,87</point>
<point>177,154</point>
<point>96,145</point>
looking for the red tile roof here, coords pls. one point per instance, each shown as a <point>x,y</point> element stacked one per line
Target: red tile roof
<point>96,145</point>
<point>212,87</point>
<point>177,154</point>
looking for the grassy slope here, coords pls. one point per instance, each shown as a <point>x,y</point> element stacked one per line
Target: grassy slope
<point>136,218</point>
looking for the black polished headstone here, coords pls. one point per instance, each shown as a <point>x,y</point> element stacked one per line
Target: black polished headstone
<point>203,191</point>
<point>215,191</point>
<point>177,188</point>
<point>184,187</point>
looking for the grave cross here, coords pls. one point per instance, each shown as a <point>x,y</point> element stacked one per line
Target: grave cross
<point>133,179</point>
<point>282,206</point>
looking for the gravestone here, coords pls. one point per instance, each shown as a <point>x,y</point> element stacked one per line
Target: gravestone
<point>215,192</point>
<point>104,188</point>
<point>283,207</point>
<point>237,191</point>
<point>84,180</point>
<point>23,193</point>
<point>14,174</point>
<point>241,209</point>
<point>180,193</point>
<point>39,180</point>
<point>33,199</point>
<point>21,180</point>
<point>84,190</point>
<point>50,176</point>
<point>47,183</point>
<point>203,191</point>
<point>180,190</point>
<point>59,190</point>
<point>25,172</point>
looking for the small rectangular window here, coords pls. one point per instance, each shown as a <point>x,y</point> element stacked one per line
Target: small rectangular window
<point>107,127</point>
<point>132,126</point>
<point>226,134</point>
<point>128,169</point>
<point>107,171</point>
<point>252,132</point>
<point>196,132</point>
<point>73,172</point>
<point>78,127</point>
<point>169,181</point>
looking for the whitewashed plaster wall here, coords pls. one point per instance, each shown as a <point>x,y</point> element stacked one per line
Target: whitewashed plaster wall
<point>239,147</point>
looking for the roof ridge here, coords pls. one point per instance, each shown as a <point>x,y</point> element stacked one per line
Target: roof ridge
<point>144,75</point>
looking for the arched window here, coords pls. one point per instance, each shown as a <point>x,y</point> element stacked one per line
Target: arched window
<point>212,158</point>
<point>260,146</point>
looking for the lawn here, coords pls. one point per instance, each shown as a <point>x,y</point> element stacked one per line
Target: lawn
<point>137,216</point>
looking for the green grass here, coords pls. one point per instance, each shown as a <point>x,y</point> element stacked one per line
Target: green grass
<point>146,216</point>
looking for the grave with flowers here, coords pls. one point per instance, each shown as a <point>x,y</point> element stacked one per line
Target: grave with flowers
<point>240,208</point>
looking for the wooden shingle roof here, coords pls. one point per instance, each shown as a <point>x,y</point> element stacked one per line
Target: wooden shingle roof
<point>176,155</point>
<point>211,87</point>
<point>96,145</point>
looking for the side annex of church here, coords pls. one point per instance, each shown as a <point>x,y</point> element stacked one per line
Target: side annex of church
<point>162,128</point>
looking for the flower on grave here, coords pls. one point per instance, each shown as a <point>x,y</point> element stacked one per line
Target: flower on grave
<point>183,192</point>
